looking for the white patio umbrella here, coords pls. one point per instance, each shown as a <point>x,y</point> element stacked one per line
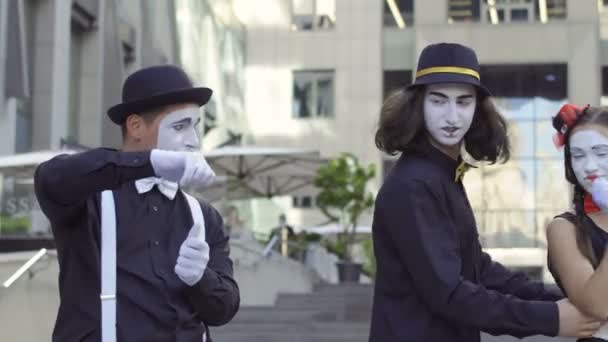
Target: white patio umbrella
<point>24,164</point>
<point>251,171</point>
<point>243,171</point>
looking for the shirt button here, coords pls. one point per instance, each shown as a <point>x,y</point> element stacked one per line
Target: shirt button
<point>156,243</point>
<point>155,208</point>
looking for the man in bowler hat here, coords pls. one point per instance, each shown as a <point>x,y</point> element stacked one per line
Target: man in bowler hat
<point>170,283</point>
<point>433,281</point>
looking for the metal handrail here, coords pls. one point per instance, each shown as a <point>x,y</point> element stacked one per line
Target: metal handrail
<point>270,245</point>
<point>26,267</point>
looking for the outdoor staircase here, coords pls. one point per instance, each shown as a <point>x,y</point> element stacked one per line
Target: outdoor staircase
<point>331,313</point>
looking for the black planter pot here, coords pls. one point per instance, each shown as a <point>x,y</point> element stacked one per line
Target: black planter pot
<point>349,272</point>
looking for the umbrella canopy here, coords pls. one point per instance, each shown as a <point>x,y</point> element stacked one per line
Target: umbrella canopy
<point>251,171</point>
<point>243,171</point>
<point>24,164</point>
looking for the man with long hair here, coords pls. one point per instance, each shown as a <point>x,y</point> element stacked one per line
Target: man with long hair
<point>433,281</point>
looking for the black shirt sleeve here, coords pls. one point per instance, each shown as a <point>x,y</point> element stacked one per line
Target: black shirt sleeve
<point>497,277</point>
<point>63,183</point>
<point>416,217</point>
<point>216,296</point>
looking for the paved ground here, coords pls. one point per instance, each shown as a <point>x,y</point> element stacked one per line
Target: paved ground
<point>488,338</point>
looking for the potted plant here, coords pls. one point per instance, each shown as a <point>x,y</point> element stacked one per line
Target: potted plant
<point>343,198</point>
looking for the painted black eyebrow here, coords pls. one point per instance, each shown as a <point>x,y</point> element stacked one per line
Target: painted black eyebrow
<point>438,94</point>
<point>461,97</point>
<point>182,121</point>
<point>464,97</point>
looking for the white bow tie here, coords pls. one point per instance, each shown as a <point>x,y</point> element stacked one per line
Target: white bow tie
<point>166,187</point>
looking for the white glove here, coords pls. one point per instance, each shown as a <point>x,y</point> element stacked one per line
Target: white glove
<point>187,168</point>
<point>193,257</point>
<point>599,192</point>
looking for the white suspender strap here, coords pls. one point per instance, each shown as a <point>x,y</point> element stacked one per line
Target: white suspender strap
<point>108,259</point>
<point>108,267</point>
<point>197,214</point>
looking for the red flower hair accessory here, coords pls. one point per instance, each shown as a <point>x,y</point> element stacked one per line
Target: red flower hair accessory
<point>569,115</point>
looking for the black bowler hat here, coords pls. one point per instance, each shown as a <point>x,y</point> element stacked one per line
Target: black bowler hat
<point>448,63</point>
<point>155,87</point>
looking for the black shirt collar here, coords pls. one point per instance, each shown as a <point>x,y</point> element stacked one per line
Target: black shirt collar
<point>454,168</point>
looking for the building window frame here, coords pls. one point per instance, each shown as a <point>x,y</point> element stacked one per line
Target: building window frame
<point>313,107</point>
<point>315,19</point>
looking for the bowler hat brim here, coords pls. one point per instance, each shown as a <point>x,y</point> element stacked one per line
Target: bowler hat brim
<point>119,113</point>
<point>437,78</point>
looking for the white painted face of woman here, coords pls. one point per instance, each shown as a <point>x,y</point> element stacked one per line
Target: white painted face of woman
<point>589,156</point>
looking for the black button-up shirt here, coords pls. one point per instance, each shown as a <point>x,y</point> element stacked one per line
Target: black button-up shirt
<point>433,281</point>
<point>153,304</point>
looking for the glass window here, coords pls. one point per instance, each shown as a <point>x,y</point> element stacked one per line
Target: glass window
<point>463,10</point>
<point>398,13</point>
<point>313,14</point>
<point>473,183</point>
<point>549,81</point>
<point>510,185</point>
<point>515,198</point>
<point>499,11</point>
<point>552,194</point>
<point>508,228</point>
<point>604,99</point>
<point>23,138</point>
<point>303,202</point>
<point>20,214</point>
<point>520,14</point>
<point>514,108</point>
<point>556,9</point>
<point>313,94</point>
<point>522,138</point>
<point>506,11</point>
<point>544,147</point>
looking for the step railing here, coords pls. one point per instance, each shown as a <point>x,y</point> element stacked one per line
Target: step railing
<point>27,266</point>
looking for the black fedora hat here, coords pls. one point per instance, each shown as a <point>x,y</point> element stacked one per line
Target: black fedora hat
<point>156,86</point>
<point>448,63</point>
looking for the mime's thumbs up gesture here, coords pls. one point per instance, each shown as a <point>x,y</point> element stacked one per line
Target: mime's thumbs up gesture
<point>193,257</point>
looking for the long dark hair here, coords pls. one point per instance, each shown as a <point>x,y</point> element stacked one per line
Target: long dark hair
<point>401,127</point>
<point>565,122</point>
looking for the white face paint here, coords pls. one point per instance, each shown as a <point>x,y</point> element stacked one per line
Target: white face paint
<point>178,130</point>
<point>589,156</point>
<point>448,112</point>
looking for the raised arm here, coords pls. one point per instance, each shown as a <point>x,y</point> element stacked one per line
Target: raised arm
<point>63,183</point>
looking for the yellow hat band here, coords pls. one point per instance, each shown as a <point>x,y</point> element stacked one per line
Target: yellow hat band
<point>448,69</point>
